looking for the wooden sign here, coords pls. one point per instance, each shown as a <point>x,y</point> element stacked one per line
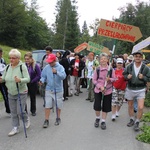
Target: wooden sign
<point>141,45</point>
<point>96,48</point>
<point>117,30</point>
<point>81,47</point>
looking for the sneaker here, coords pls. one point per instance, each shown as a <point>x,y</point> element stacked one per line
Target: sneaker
<point>87,99</point>
<point>46,124</point>
<point>80,92</point>
<point>96,124</point>
<point>76,94</point>
<point>33,114</point>
<point>58,121</point>
<point>27,123</point>
<point>103,125</point>
<point>113,118</point>
<point>131,123</point>
<point>14,131</point>
<point>92,100</point>
<point>136,126</point>
<point>117,114</point>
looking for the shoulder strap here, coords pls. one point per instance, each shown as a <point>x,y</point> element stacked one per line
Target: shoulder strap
<point>142,68</point>
<point>7,68</point>
<point>97,71</point>
<point>21,70</point>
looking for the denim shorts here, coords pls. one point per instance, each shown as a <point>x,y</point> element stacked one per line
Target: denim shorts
<point>51,98</point>
<point>130,94</point>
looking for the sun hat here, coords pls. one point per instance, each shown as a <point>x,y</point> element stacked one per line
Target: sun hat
<point>130,57</point>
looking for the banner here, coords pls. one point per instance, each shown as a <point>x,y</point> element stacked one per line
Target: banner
<point>141,45</point>
<point>96,48</point>
<point>120,31</point>
<point>81,47</point>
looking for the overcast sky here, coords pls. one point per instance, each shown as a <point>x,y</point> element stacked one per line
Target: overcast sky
<point>87,9</point>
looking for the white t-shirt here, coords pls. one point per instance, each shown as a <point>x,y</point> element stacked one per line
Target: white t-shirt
<point>137,69</point>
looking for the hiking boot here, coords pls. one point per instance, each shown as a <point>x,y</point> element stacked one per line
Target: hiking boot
<point>27,123</point>
<point>58,121</point>
<point>103,125</point>
<point>14,131</point>
<point>136,126</point>
<point>46,124</point>
<point>87,99</point>
<point>96,124</point>
<point>80,92</point>
<point>131,123</point>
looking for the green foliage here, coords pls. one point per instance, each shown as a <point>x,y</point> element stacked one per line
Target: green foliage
<point>21,26</point>
<point>146,117</point>
<point>66,27</point>
<point>145,135</point>
<point>147,100</point>
<point>138,15</point>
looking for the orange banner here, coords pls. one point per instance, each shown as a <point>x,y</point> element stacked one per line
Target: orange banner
<point>81,47</point>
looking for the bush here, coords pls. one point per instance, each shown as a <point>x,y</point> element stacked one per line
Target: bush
<point>147,99</point>
<point>145,135</point>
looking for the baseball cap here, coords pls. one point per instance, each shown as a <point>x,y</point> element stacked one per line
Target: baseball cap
<point>138,52</point>
<point>51,58</point>
<point>119,60</point>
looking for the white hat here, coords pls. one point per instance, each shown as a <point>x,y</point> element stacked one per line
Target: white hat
<point>130,57</point>
<point>119,60</point>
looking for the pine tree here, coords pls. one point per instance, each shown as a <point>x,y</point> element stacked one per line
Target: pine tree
<point>66,25</point>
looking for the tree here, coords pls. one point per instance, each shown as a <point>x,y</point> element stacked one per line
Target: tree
<point>137,15</point>
<point>84,36</point>
<point>66,25</point>
<point>13,19</point>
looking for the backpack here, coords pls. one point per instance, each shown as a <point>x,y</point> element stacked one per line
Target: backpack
<point>20,69</point>
<point>98,71</point>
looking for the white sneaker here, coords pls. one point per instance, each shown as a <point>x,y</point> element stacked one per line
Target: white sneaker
<point>14,131</point>
<point>117,114</point>
<point>27,124</point>
<point>113,118</point>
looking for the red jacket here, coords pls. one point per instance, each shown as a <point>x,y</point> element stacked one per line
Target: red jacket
<point>120,83</point>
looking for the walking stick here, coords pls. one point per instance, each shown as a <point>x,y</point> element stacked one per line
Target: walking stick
<point>57,123</point>
<point>108,73</point>
<point>25,132</point>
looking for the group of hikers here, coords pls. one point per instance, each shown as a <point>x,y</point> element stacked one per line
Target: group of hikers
<point>61,76</point>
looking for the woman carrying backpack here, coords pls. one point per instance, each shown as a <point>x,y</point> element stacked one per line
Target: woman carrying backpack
<point>35,75</point>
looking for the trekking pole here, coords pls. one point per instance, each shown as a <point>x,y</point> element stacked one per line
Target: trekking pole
<point>25,132</point>
<point>57,123</point>
<point>109,68</point>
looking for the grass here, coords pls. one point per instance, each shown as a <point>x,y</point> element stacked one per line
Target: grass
<point>6,50</point>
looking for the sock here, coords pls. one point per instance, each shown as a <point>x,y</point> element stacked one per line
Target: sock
<point>132,118</point>
<point>98,117</point>
<point>103,120</point>
<point>113,116</point>
<point>137,120</point>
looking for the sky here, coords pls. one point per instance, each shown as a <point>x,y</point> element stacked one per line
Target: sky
<point>88,10</point>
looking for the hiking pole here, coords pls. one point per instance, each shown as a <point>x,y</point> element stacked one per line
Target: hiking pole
<point>57,123</point>
<point>109,68</point>
<point>25,132</point>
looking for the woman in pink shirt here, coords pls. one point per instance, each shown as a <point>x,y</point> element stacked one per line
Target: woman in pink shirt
<point>99,79</point>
